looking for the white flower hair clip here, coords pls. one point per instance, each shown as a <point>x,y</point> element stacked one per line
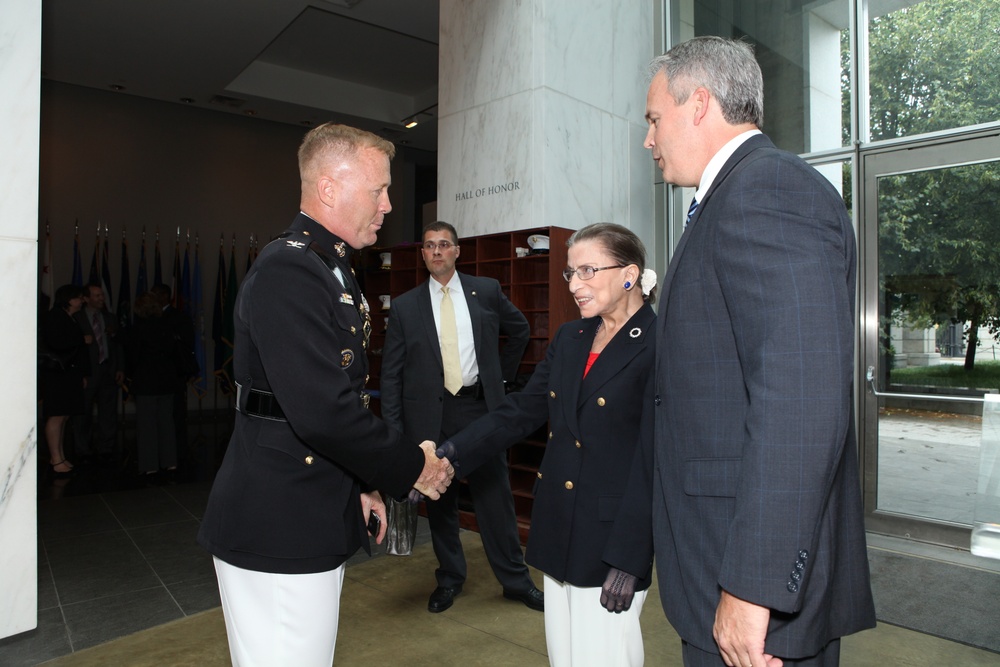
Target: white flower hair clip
<point>648,281</point>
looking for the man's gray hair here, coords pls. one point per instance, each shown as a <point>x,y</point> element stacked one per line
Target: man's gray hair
<point>725,67</point>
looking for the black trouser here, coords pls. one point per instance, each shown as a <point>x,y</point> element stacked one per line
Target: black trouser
<point>489,486</point>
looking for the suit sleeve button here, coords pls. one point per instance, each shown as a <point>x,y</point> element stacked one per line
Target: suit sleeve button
<point>793,587</point>
<point>601,401</point>
<point>657,400</point>
<point>569,486</point>
<point>309,460</point>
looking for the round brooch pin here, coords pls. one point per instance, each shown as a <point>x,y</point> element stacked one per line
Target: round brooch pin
<point>635,333</point>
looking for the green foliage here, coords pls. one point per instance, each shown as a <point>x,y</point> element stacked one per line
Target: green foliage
<point>985,376</point>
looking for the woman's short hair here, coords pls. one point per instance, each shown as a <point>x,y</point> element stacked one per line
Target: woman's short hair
<point>620,242</point>
<point>65,294</point>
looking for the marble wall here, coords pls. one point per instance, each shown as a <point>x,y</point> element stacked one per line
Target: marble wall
<point>20,71</point>
<point>541,106</point>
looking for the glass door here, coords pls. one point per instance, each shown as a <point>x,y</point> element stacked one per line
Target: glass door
<point>930,279</point>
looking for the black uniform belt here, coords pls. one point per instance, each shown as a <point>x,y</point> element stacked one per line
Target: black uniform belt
<point>261,404</point>
<point>472,391</point>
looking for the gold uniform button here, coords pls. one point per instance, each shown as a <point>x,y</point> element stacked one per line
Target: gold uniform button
<point>353,331</point>
<point>309,460</point>
<point>578,445</point>
<point>601,402</point>
<point>569,486</point>
<point>552,394</point>
<point>550,435</point>
<point>539,475</point>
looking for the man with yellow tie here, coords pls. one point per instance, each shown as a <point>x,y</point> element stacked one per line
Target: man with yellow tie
<point>442,368</point>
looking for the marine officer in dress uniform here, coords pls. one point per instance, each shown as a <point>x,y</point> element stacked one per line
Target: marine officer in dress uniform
<point>298,483</point>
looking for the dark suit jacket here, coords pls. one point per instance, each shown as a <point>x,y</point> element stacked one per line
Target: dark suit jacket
<point>758,487</point>
<point>115,353</point>
<point>287,497</point>
<point>412,377</point>
<point>593,492</point>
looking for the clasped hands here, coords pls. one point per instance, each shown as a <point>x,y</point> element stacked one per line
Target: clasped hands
<point>436,475</point>
<point>446,453</point>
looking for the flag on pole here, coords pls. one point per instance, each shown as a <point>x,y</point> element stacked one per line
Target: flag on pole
<point>184,299</point>
<point>218,317</point>
<point>175,275</point>
<point>249,255</point>
<point>106,272</point>
<point>157,270</point>
<point>124,308</point>
<point>46,286</point>
<point>228,323</point>
<point>95,261</point>
<point>77,263</point>
<point>200,384</point>
<point>140,278</point>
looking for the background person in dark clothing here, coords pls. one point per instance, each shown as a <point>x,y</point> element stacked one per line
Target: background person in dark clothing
<point>62,395</point>
<point>151,362</point>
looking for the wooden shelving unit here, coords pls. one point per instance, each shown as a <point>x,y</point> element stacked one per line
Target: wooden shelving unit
<point>533,283</point>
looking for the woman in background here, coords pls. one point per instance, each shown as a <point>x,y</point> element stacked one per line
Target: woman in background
<point>65,377</point>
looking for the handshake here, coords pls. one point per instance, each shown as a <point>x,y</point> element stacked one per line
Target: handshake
<point>439,469</point>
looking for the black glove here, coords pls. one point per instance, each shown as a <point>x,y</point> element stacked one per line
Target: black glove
<point>618,591</point>
<point>448,450</point>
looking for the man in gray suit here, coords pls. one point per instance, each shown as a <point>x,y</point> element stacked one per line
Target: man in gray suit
<point>758,523</point>
<point>442,368</point>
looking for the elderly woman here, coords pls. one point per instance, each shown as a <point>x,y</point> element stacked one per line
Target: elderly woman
<point>591,531</point>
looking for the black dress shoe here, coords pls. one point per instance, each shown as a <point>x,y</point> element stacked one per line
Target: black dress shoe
<point>442,598</point>
<point>532,598</point>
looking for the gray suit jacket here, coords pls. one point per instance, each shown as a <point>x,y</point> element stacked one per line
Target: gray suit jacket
<point>757,489</point>
<point>412,377</point>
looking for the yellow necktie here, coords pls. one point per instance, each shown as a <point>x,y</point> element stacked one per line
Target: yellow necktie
<point>449,344</point>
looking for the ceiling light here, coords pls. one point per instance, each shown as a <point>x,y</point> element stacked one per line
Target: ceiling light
<point>409,124</point>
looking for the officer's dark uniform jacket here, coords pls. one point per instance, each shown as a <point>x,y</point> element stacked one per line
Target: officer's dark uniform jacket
<point>593,493</point>
<point>287,497</point>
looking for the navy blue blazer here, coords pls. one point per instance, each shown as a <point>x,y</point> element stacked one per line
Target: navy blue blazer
<point>592,505</point>
<point>757,486</point>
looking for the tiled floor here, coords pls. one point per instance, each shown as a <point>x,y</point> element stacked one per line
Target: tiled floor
<point>113,563</point>
<point>115,556</point>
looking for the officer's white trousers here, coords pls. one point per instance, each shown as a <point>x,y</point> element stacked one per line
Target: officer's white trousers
<point>280,619</point>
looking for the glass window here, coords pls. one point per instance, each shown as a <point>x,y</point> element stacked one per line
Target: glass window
<point>802,50</point>
<point>932,66</point>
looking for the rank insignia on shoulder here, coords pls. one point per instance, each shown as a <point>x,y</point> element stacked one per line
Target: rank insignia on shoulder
<point>347,298</point>
<point>346,357</point>
<point>295,244</point>
<point>341,251</point>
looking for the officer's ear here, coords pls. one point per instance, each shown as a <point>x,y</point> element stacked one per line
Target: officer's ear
<point>326,190</point>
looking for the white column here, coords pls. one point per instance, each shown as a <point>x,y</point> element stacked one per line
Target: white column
<point>541,114</point>
<point>20,71</point>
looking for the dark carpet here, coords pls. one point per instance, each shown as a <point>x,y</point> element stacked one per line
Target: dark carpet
<point>952,601</point>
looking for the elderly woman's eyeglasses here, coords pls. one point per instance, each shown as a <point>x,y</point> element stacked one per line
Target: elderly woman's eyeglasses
<point>587,272</point>
<point>429,246</point>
